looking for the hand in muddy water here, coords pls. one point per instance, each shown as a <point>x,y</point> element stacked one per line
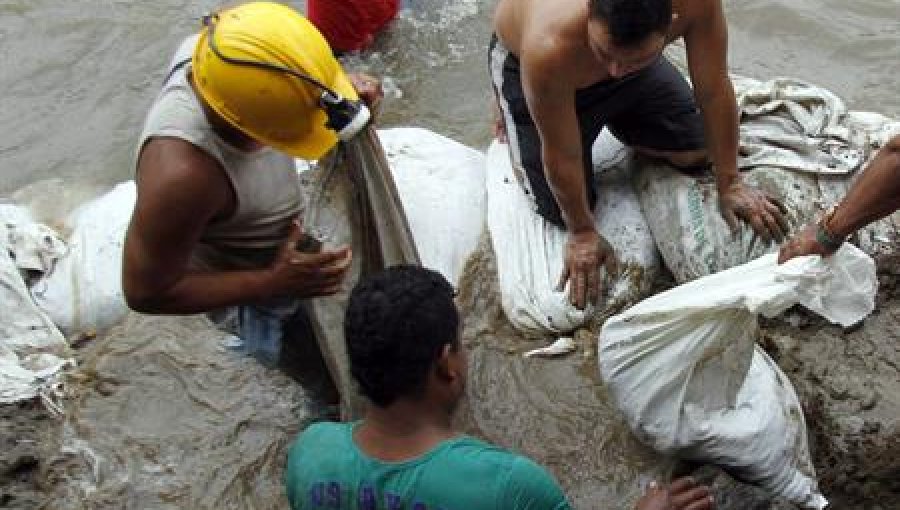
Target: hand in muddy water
<point>585,253</point>
<point>682,494</point>
<point>303,268</point>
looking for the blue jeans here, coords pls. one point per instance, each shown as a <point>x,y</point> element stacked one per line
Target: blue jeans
<point>260,327</point>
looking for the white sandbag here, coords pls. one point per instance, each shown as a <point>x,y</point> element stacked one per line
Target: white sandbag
<point>684,368</point>
<point>441,185</point>
<point>530,250</point>
<point>692,236</point>
<point>799,144</point>
<point>797,125</point>
<point>32,350</point>
<point>83,293</point>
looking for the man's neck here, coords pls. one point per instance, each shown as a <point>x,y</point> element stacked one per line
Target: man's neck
<point>404,430</point>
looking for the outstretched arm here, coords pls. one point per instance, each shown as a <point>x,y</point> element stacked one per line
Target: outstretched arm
<point>875,195</point>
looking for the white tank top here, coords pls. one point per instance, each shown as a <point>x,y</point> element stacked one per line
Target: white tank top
<point>265,182</point>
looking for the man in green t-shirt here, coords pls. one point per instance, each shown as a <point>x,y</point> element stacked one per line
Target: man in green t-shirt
<point>402,332</point>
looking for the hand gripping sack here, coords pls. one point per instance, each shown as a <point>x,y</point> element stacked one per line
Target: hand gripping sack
<point>684,368</point>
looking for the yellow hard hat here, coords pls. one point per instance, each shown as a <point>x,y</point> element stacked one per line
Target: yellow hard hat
<point>269,101</point>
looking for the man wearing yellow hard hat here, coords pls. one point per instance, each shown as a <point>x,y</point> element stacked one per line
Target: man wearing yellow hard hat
<point>214,227</point>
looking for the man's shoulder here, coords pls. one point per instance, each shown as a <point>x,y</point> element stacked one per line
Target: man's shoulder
<point>519,469</point>
<point>523,482</point>
<point>320,432</point>
<point>168,163</point>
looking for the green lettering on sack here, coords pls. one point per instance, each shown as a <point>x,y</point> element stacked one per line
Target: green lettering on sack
<point>697,219</point>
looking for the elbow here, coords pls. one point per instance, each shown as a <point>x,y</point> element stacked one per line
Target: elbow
<point>141,299</point>
<point>142,303</point>
<point>892,149</point>
<point>889,155</point>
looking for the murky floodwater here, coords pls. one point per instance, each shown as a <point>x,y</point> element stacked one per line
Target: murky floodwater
<point>168,417</point>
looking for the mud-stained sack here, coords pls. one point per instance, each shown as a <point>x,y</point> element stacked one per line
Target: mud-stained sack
<point>684,368</point>
<point>83,293</point>
<point>441,186</point>
<point>880,239</point>
<point>32,350</point>
<point>530,250</point>
<point>692,236</point>
<point>353,201</point>
<point>800,144</point>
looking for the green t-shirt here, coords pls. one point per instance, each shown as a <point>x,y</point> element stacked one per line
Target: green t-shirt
<point>327,470</point>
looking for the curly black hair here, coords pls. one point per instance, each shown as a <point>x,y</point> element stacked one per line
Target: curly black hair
<point>630,22</point>
<point>396,326</point>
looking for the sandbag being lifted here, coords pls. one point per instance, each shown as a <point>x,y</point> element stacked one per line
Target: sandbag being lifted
<point>684,368</point>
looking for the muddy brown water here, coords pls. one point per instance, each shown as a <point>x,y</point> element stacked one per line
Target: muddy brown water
<point>163,415</point>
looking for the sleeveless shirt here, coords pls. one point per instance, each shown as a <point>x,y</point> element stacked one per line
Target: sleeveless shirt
<point>265,182</point>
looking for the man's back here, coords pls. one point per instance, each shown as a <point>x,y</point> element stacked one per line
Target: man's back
<point>326,469</point>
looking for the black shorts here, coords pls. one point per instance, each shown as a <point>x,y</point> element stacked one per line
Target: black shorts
<point>652,108</point>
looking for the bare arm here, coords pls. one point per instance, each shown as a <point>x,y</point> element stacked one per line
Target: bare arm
<point>875,195</point>
<point>706,41</point>
<point>551,102</point>
<point>180,190</point>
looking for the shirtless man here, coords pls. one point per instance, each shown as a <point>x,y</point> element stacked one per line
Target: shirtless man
<point>562,70</point>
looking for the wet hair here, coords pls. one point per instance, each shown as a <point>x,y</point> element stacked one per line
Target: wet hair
<point>396,326</point>
<point>630,22</point>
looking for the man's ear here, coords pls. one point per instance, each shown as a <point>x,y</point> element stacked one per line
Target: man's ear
<point>448,367</point>
<point>674,17</point>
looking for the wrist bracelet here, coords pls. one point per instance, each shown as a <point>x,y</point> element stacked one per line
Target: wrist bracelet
<point>830,242</point>
<point>824,237</point>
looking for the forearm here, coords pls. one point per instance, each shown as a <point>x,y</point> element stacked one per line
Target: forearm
<point>875,195</point>
<point>566,179</point>
<point>720,124</point>
<point>198,292</point>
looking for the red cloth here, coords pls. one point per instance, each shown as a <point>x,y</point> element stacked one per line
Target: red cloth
<point>351,25</point>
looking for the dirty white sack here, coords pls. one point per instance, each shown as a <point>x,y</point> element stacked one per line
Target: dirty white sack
<point>32,350</point>
<point>83,293</point>
<point>530,251</point>
<point>799,144</point>
<point>684,368</point>
<point>441,186</point>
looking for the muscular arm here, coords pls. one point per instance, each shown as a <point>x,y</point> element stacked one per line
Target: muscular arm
<point>180,190</point>
<point>706,42</point>
<point>551,102</point>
